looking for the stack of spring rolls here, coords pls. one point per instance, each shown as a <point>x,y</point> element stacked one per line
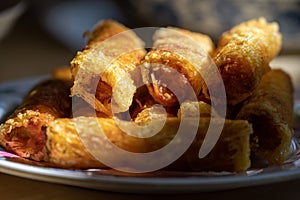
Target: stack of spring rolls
<point>114,76</point>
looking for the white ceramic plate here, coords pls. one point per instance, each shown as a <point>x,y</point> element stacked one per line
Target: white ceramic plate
<point>158,182</point>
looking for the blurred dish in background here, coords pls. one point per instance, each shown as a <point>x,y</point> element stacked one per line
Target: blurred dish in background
<point>213,17</point>
<point>68,20</point>
<point>10,11</point>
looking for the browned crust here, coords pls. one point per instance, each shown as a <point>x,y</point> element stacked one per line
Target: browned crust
<point>204,41</point>
<point>185,52</point>
<point>65,148</point>
<point>104,30</point>
<point>23,132</point>
<point>106,61</point>
<point>270,109</point>
<point>168,85</point>
<point>243,55</point>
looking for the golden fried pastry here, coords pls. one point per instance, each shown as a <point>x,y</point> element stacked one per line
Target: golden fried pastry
<point>196,109</point>
<point>166,106</point>
<point>66,147</point>
<point>23,133</point>
<point>101,70</point>
<point>243,55</point>
<point>204,41</point>
<point>144,103</point>
<point>188,109</point>
<point>141,100</point>
<point>173,68</point>
<point>270,110</point>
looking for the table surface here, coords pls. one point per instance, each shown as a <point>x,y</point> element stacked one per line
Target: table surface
<point>29,51</point>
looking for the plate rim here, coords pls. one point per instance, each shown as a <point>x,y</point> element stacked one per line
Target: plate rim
<point>81,178</point>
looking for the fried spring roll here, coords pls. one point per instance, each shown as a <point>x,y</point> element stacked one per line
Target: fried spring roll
<point>101,70</point>
<point>23,132</point>
<point>66,149</point>
<point>243,55</point>
<point>175,64</point>
<point>270,109</point>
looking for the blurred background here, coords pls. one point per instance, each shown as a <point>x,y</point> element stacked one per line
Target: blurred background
<point>37,36</point>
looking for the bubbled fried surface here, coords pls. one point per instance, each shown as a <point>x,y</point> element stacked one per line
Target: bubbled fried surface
<point>23,132</point>
<point>71,145</point>
<point>243,55</point>
<point>112,51</point>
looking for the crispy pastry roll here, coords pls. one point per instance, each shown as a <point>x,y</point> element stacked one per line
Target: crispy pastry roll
<point>243,55</point>
<point>69,143</point>
<point>101,70</point>
<point>270,110</point>
<point>175,64</point>
<point>23,132</point>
